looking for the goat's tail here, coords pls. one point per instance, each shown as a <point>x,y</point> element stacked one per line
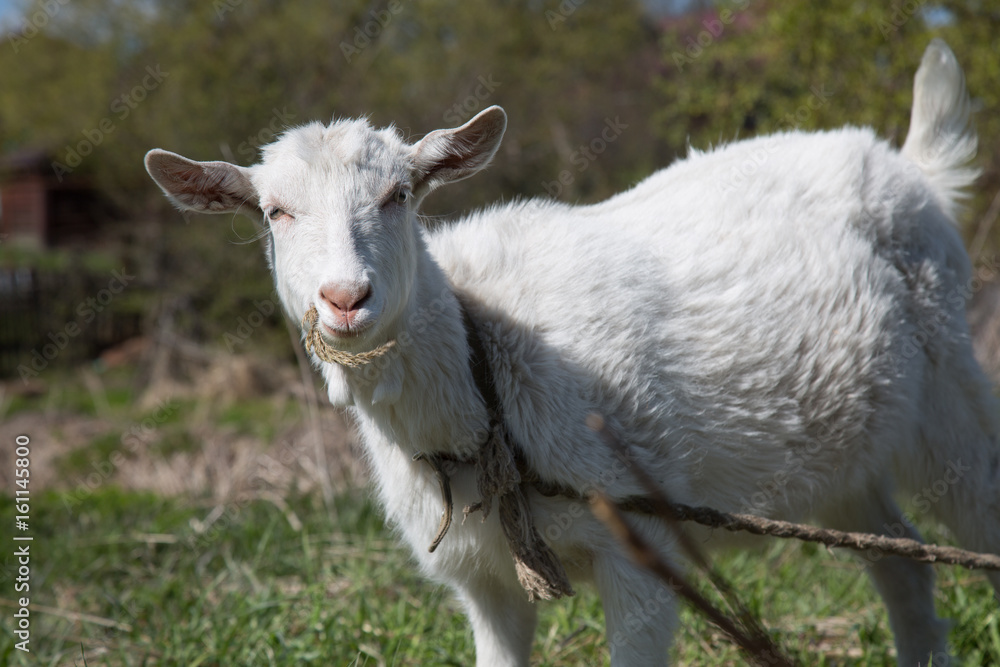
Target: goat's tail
<point>941,141</point>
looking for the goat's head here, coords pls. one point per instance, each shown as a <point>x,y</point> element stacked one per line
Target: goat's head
<point>339,206</point>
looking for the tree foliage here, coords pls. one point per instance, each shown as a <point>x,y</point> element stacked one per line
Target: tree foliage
<point>743,68</point>
<point>236,72</point>
<point>599,95</point>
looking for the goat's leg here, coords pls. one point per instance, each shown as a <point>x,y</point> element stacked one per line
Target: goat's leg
<point>906,586</point>
<point>957,476</point>
<point>964,493</point>
<point>503,622</point>
<point>640,611</point>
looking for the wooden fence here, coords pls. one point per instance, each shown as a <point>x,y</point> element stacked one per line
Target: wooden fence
<point>58,317</point>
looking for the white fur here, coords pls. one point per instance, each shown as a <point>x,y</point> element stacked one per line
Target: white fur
<point>795,346</point>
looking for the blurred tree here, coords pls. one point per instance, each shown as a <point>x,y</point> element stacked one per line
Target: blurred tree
<point>100,82</point>
<point>596,101</point>
<point>233,73</point>
<point>742,68</point>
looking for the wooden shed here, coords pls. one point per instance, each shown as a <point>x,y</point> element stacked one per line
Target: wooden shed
<point>39,209</point>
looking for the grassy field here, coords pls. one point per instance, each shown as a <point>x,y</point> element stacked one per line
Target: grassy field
<point>134,579</point>
<point>171,557</point>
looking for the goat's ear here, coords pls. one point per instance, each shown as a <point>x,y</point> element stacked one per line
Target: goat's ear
<point>444,156</point>
<point>205,187</point>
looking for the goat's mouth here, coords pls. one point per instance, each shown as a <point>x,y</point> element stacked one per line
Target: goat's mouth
<point>339,330</point>
<point>316,340</point>
<point>344,328</point>
<point>345,332</point>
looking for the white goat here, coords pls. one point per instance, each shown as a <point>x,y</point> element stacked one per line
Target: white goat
<point>793,345</point>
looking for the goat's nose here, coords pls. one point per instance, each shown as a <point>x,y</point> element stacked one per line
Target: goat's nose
<point>345,299</point>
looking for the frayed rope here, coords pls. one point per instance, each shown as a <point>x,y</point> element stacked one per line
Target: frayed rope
<point>316,343</point>
<point>539,570</point>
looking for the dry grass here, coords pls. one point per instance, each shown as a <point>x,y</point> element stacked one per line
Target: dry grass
<point>215,427</point>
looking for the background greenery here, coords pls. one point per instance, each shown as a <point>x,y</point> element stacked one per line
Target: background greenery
<point>307,572</point>
<point>233,72</point>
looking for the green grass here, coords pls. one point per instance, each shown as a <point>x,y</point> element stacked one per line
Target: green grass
<point>66,393</point>
<point>78,461</point>
<point>251,590</point>
<point>256,417</point>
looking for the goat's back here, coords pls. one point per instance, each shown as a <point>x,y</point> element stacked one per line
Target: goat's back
<point>745,311</point>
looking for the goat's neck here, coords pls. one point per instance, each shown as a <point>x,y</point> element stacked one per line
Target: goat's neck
<point>421,396</point>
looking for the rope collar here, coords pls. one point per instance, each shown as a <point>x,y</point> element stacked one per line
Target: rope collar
<point>499,463</point>
<point>316,343</point>
<point>502,471</point>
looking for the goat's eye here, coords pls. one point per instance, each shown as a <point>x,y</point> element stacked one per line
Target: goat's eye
<point>400,196</point>
<point>275,212</point>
